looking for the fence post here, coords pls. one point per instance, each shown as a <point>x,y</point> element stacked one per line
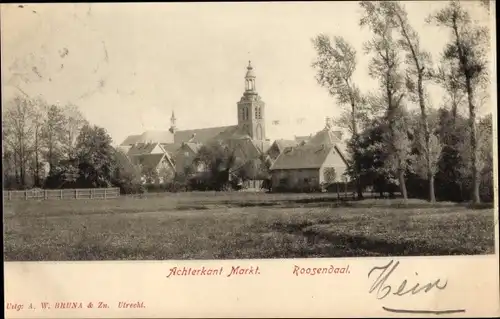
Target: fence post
<point>44,194</point>
<point>105,193</point>
<point>91,193</point>
<point>26,195</point>
<point>76,193</point>
<point>9,193</point>
<point>61,194</point>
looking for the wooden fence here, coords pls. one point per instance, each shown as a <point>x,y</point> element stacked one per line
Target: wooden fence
<point>253,184</point>
<point>82,193</point>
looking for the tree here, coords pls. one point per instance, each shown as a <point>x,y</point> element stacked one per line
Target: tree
<point>18,128</point>
<point>372,156</point>
<point>151,175</point>
<point>219,160</point>
<point>335,65</point>
<point>485,158</point>
<point>425,154</point>
<point>166,174</point>
<point>447,75</point>
<point>385,66</point>
<point>95,156</point>
<point>419,62</point>
<point>72,125</point>
<point>127,176</point>
<point>453,165</point>
<point>469,48</point>
<point>52,133</point>
<point>39,107</point>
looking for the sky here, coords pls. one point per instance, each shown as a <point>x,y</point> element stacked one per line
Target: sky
<point>128,66</point>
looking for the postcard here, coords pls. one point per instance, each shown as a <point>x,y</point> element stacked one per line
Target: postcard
<point>250,159</point>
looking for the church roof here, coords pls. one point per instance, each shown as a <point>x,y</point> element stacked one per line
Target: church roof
<point>157,136</point>
<point>201,135</point>
<point>150,137</point>
<point>131,139</point>
<point>166,137</point>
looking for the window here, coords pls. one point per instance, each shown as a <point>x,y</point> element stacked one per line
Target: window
<point>246,113</point>
<point>258,113</point>
<point>186,154</point>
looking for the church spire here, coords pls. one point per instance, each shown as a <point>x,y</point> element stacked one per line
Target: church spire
<point>173,127</point>
<point>250,78</point>
<point>251,113</point>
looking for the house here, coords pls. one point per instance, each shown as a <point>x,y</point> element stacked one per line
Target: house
<point>184,156</point>
<point>320,161</point>
<point>153,161</point>
<point>155,168</point>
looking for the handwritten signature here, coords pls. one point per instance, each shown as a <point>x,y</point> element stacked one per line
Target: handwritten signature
<point>382,288</point>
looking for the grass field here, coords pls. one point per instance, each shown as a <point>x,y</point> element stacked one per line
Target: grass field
<point>241,225</point>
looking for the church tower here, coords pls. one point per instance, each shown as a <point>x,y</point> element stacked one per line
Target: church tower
<point>251,109</point>
<point>173,127</point>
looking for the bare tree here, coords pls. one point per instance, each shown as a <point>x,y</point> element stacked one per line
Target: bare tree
<point>385,66</point>
<point>18,134</point>
<point>335,64</point>
<point>469,48</point>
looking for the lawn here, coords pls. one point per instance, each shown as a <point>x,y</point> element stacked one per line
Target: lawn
<point>241,225</point>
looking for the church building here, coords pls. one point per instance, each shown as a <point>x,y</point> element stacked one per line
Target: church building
<point>247,137</point>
